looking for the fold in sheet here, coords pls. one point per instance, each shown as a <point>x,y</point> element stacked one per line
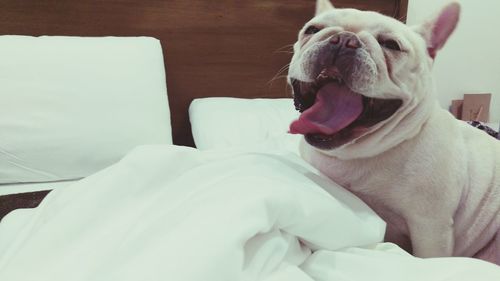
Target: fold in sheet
<point>175,213</point>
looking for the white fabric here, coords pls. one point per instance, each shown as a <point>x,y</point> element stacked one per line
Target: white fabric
<point>236,122</point>
<point>387,262</point>
<point>166,210</point>
<point>174,213</point>
<point>7,189</point>
<point>71,106</point>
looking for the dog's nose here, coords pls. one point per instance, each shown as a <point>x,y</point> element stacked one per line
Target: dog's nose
<point>346,39</point>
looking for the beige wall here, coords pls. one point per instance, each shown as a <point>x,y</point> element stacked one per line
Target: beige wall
<point>470,62</point>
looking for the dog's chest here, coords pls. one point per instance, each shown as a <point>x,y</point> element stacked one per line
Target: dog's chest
<point>364,177</point>
<point>374,183</point>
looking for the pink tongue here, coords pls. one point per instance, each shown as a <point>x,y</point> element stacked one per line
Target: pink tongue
<point>334,109</point>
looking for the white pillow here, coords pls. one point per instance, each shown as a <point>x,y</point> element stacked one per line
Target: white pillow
<point>230,122</point>
<point>71,106</point>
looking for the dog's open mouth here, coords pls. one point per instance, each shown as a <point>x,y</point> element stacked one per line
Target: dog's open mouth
<point>333,114</point>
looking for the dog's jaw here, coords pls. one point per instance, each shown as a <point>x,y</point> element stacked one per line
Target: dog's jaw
<point>333,114</point>
<point>382,78</point>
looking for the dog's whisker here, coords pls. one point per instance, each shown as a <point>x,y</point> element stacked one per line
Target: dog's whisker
<point>283,49</point>
<point>279,74</point>
<point>287,89</point>
<point>284,68</point>
<point>276,78</point>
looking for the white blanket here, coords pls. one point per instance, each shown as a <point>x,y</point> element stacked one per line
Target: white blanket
<point>174,213</point>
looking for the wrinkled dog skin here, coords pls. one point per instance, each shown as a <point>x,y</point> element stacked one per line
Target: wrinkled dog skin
<point>372,123</point>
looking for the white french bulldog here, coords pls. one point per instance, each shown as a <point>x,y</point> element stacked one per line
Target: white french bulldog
<point>372,123</point>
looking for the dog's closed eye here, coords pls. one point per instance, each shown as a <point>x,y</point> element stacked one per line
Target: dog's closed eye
<point>312,30</point>
<point>390,44</point>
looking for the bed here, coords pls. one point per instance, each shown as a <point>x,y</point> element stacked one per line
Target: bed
<point>192,74</point>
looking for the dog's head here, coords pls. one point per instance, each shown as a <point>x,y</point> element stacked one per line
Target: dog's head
<point>363,80</point>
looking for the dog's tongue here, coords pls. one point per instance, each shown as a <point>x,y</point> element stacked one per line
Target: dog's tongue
<point>334,109</point>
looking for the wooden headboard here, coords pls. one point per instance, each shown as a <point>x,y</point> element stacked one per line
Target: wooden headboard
<point>211,48</point>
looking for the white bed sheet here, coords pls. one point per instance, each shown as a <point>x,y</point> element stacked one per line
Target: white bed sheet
<point>7,189</point>
<point>175,213</point>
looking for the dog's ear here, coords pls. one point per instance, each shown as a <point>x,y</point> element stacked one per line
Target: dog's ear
<point>323,6</point>
<point>438,29</point>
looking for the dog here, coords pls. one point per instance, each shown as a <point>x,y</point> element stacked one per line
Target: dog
<point>371,122</point>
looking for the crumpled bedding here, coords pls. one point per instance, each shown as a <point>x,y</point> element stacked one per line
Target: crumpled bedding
<point>177,213</point>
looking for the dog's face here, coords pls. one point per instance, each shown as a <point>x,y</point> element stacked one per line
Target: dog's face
<point>356,75</point>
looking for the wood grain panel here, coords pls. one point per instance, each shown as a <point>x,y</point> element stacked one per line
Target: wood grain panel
<point>211,48</point>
